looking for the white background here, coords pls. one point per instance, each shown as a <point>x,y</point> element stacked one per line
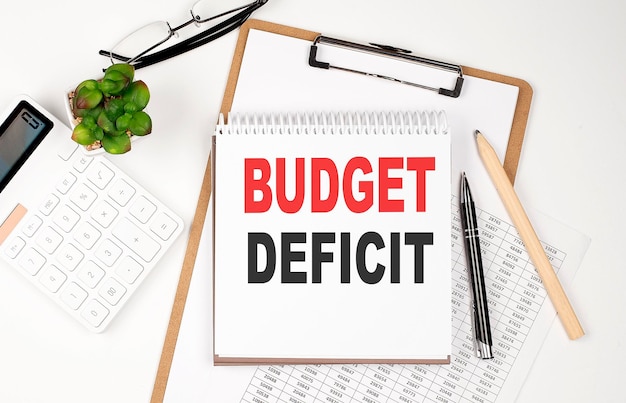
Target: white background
<point>572,165</point>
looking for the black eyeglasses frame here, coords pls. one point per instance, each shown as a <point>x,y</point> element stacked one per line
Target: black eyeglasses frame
<point>204,37</point>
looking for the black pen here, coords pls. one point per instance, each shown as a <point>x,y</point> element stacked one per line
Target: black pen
<point>482,328</point>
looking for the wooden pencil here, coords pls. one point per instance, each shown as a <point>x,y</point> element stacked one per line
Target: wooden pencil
<point>529,237</point>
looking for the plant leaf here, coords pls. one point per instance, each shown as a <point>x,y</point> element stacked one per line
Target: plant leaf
<point>138,94</point>
<point>124,68</point>
<point>123,122</point>
<point>114,108</point>
<point>98,133</point>
<point>140,124</point>
<point>116,144</point>
<point>83,135</point>
<point>87,95</point>
<point>89,121</point>
<point>106,124</point>
<point>113,83</point>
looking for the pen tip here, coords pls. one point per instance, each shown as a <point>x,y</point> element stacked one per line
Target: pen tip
<point>464,188</point>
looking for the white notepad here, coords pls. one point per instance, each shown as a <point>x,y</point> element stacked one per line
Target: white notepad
<point>288,85</point>
<point>332,238</point>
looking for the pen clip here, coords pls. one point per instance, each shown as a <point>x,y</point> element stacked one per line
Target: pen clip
<point>392,52</point>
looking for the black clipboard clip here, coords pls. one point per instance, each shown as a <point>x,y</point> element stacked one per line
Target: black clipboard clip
<point>388,51</point>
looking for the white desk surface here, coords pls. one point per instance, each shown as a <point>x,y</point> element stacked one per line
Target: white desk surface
<point>572,165</point>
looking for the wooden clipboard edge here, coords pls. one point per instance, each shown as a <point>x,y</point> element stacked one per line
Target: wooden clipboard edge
<point>511,162</point>
<point>520,118</point>
<point>180,299</point>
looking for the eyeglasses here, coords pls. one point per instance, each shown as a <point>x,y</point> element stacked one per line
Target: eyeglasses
<point>144,47</point>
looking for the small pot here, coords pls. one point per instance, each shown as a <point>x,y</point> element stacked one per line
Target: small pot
<point>95,148</point>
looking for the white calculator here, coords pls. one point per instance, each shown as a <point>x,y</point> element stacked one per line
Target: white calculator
<point>76,226</point>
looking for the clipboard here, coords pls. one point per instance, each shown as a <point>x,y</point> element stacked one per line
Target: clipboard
<point>511,161</point>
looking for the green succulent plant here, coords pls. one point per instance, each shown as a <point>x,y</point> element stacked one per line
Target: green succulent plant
<point>110,110</point>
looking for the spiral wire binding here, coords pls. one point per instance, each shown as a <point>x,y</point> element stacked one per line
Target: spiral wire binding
<point>335,123</point>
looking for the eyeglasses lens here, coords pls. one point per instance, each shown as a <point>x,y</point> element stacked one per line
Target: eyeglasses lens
<point>206,10</point>
<point>144,40</point>
<point>202,10</point>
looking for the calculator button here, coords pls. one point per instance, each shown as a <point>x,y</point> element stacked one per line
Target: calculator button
<point>32,261</point>
<point>49,240</point>
<point>142,209</point>
<point>83,197</point>
<point>81,163</point>
<point>66,182</point>
<point>86,235</point>
<point>95,313</point>
<point>137,240</point>
<point>164,226</point>
<point>121,191</point>
<point>104,213</point>
<point>49,204</point>
<point>14,247</point>
<point>69,256</point>
<point>90,274</point>
<point>108,252</point>
<point>129,270</point>
<point>100,175</point>
<point>66,150</point>
<point>112,291</point>
<point>74,296</point>
<point>31,226</point>
<point>66,218</point>
<point>53,279</point>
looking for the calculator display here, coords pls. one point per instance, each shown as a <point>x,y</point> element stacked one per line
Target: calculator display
<point>20,134</point>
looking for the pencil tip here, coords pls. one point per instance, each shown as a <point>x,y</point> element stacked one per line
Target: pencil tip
<point>476,133</point>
